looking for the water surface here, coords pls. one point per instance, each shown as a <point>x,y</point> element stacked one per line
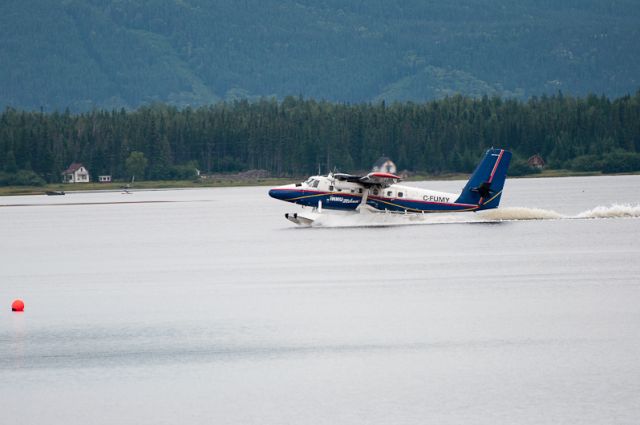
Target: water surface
<point>207,306</point>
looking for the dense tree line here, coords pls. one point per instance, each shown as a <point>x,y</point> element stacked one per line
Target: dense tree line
<point>298,136</point>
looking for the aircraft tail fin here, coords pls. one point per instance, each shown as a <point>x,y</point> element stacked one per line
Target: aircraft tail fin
<point>484,188</point>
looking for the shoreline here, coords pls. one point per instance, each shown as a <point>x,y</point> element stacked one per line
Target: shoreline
<point>230,181</point>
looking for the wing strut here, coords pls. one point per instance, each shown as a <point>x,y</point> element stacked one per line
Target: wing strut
<point>363,201</point>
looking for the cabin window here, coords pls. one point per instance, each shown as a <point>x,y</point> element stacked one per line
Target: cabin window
<point>330,188</point>
<point>389,193</point>
<point>400,194</point>
<point>315,183</point>
<point>360,190</point>
<point>339,190</point>
<point>375,191</point>
<point>353,191</point>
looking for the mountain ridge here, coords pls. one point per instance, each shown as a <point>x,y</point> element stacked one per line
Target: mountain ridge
<point>84,54</point>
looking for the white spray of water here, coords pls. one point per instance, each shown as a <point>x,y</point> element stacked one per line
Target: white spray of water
<point>372,219</point>
<point>613,211</point>
<point>520,213</point>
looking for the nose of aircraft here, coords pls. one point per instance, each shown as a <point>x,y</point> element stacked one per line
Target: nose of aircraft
<point>284,193</point>
<point>277,193</point>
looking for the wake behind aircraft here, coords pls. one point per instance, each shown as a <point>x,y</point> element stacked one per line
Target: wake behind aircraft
<point>380,192</point>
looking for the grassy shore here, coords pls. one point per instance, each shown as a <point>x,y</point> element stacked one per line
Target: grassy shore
<point>141,185</point>
<point>232,181</point>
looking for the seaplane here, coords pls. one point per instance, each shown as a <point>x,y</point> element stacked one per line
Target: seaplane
<point>380,192</point>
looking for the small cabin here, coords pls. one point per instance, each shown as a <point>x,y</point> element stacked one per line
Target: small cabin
<point>384,165</point>
<point>104,179</point>
<point>536,161</point>
<point>76,173</point>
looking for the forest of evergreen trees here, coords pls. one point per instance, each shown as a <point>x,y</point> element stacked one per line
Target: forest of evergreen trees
<point>296,136</point>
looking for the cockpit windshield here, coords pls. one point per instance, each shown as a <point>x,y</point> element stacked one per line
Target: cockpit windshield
<point>311,182</point>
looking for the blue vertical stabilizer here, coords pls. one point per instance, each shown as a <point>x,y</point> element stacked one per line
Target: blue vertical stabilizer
<point>484,188</point>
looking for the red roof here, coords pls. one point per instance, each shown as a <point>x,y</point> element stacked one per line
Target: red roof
<point>536,161</point>
<point>72,168</point>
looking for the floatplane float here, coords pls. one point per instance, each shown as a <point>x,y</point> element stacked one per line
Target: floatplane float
<point>379,192</point>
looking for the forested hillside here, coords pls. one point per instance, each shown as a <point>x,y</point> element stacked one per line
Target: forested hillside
<point>296,136</point>
<point>109,54</point>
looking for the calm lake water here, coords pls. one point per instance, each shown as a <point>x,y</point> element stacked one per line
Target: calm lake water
<point>207,307</point>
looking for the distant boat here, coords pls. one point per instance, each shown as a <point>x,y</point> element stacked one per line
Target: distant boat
<point>54,192</point>
<point>125,188</point>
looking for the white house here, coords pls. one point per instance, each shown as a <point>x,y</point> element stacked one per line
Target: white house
<point>384,165</point>
<point>536,161</point>
<point>104,179</point>
<point>76,173</point>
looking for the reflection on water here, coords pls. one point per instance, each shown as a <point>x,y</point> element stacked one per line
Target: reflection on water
<point>207,306</point>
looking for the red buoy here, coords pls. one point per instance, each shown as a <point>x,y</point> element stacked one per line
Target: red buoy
<point>18,305</point>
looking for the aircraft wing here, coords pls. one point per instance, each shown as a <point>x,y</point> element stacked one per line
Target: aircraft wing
<point>380,178</point>
<point>347,177</point>
<point>371,179</point>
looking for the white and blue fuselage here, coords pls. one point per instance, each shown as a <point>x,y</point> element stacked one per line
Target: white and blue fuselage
<point>331,193</point>
<point>380,192</point>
